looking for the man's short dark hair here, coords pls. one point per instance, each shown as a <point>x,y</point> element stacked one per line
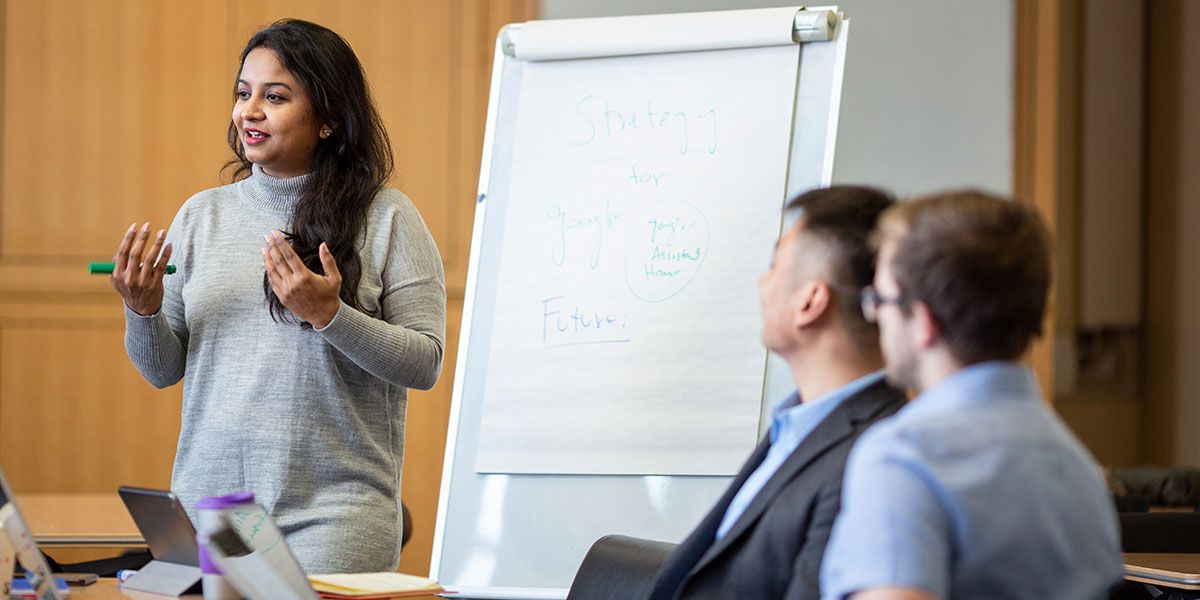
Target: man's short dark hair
<point>842,218</point>
<point>981,263</point>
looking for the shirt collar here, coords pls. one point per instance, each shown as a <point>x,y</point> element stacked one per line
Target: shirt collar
<point>979,382</point>
<point>792,409</point>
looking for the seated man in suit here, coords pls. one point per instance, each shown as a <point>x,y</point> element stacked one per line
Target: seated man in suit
<point>766,536</point>
<point>975,489</point>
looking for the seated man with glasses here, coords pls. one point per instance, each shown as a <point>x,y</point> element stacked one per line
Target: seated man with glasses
<point>766,535</point>
<point>975,489</point>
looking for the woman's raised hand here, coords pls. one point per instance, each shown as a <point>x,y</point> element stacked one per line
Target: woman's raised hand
<point>139,279</point>
<point>310,296</point>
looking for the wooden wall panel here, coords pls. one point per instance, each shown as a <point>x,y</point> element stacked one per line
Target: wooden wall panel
<point>113,111</point>
<point>74,414</point>
<point>425,444</point>
<point>1045,166</point>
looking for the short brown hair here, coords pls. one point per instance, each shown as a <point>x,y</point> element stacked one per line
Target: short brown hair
<point>981,263</point>
<point>842,218</point>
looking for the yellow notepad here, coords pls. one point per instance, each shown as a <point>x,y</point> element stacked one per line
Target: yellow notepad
<point>376,585</point>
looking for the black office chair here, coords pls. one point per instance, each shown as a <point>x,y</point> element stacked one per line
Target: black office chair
<point>1155,486</point>
<point>406,525</point>
<point>1160,532</point>
<point>619,567</point>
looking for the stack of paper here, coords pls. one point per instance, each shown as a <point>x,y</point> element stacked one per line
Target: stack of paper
<point>372,586</point>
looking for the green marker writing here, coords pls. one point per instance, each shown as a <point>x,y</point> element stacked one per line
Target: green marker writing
<point>102,268</point>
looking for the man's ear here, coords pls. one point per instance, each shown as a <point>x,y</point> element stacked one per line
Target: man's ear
<point>812,299</point>
<point>926,329</point>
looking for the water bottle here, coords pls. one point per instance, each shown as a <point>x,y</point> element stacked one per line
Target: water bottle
<point>210,509</point>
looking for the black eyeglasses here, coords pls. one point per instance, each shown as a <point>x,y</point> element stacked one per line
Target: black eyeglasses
<point>870,301</point>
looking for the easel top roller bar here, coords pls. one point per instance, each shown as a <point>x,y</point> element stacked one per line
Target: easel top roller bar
<point>572,39</point>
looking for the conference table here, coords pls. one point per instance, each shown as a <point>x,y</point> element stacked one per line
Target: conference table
<point>100,520</point>
<point>106,589</point>
<point>1177,571</point>
<point>88,521</point>
<point>1180,571</point>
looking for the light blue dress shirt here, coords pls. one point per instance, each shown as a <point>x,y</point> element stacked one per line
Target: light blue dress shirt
<point>975,489</point>
<point>791,422</point>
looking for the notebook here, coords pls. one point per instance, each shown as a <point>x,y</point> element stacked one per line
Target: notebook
<point>371,586</point>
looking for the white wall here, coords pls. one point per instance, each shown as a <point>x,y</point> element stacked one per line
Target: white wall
<point>928,96</point>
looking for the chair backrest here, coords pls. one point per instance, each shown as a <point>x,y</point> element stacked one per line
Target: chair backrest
<point>618,567</point>
<point>1160,532</point>
<point>406,525</point>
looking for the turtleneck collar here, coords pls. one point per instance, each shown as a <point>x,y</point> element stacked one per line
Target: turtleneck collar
<point>274,193</point>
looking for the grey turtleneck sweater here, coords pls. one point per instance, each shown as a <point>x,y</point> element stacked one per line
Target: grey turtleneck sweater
<point>310,421</point>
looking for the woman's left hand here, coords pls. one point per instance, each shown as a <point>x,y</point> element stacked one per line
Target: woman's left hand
<point>310,296</point>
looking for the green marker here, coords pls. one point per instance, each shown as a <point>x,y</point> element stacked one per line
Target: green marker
<point>102,268</point>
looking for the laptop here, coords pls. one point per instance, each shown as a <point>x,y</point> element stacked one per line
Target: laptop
<point>40,580</point>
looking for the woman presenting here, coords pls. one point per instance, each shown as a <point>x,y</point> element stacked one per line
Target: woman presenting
<point>308,299</point>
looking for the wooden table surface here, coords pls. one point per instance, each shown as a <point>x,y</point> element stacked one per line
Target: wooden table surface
<point>1180,571</point>
<point>106,589</point>
<point>79,520</point>
<point>89,520</point>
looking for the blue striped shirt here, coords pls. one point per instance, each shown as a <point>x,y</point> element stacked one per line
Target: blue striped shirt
<point>975,489</point>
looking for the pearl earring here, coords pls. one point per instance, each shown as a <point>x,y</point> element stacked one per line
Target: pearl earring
<point>325,132</point>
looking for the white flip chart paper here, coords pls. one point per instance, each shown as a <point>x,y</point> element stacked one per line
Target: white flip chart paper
<point>645,197</point>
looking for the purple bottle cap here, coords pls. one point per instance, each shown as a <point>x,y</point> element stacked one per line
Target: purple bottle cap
<point>223,502</point>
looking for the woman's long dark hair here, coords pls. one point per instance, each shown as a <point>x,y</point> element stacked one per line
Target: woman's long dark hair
<point>348,168</point>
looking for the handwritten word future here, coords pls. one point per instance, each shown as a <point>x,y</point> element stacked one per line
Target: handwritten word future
<point>563,327</point>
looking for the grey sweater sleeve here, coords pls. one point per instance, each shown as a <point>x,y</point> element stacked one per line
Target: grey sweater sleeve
<point>403,348</point>
<point>159,355</point>
<point>157,343</point>
<point>392,352</point>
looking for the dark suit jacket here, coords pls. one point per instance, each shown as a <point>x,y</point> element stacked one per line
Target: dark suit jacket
<point>774,549</point>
